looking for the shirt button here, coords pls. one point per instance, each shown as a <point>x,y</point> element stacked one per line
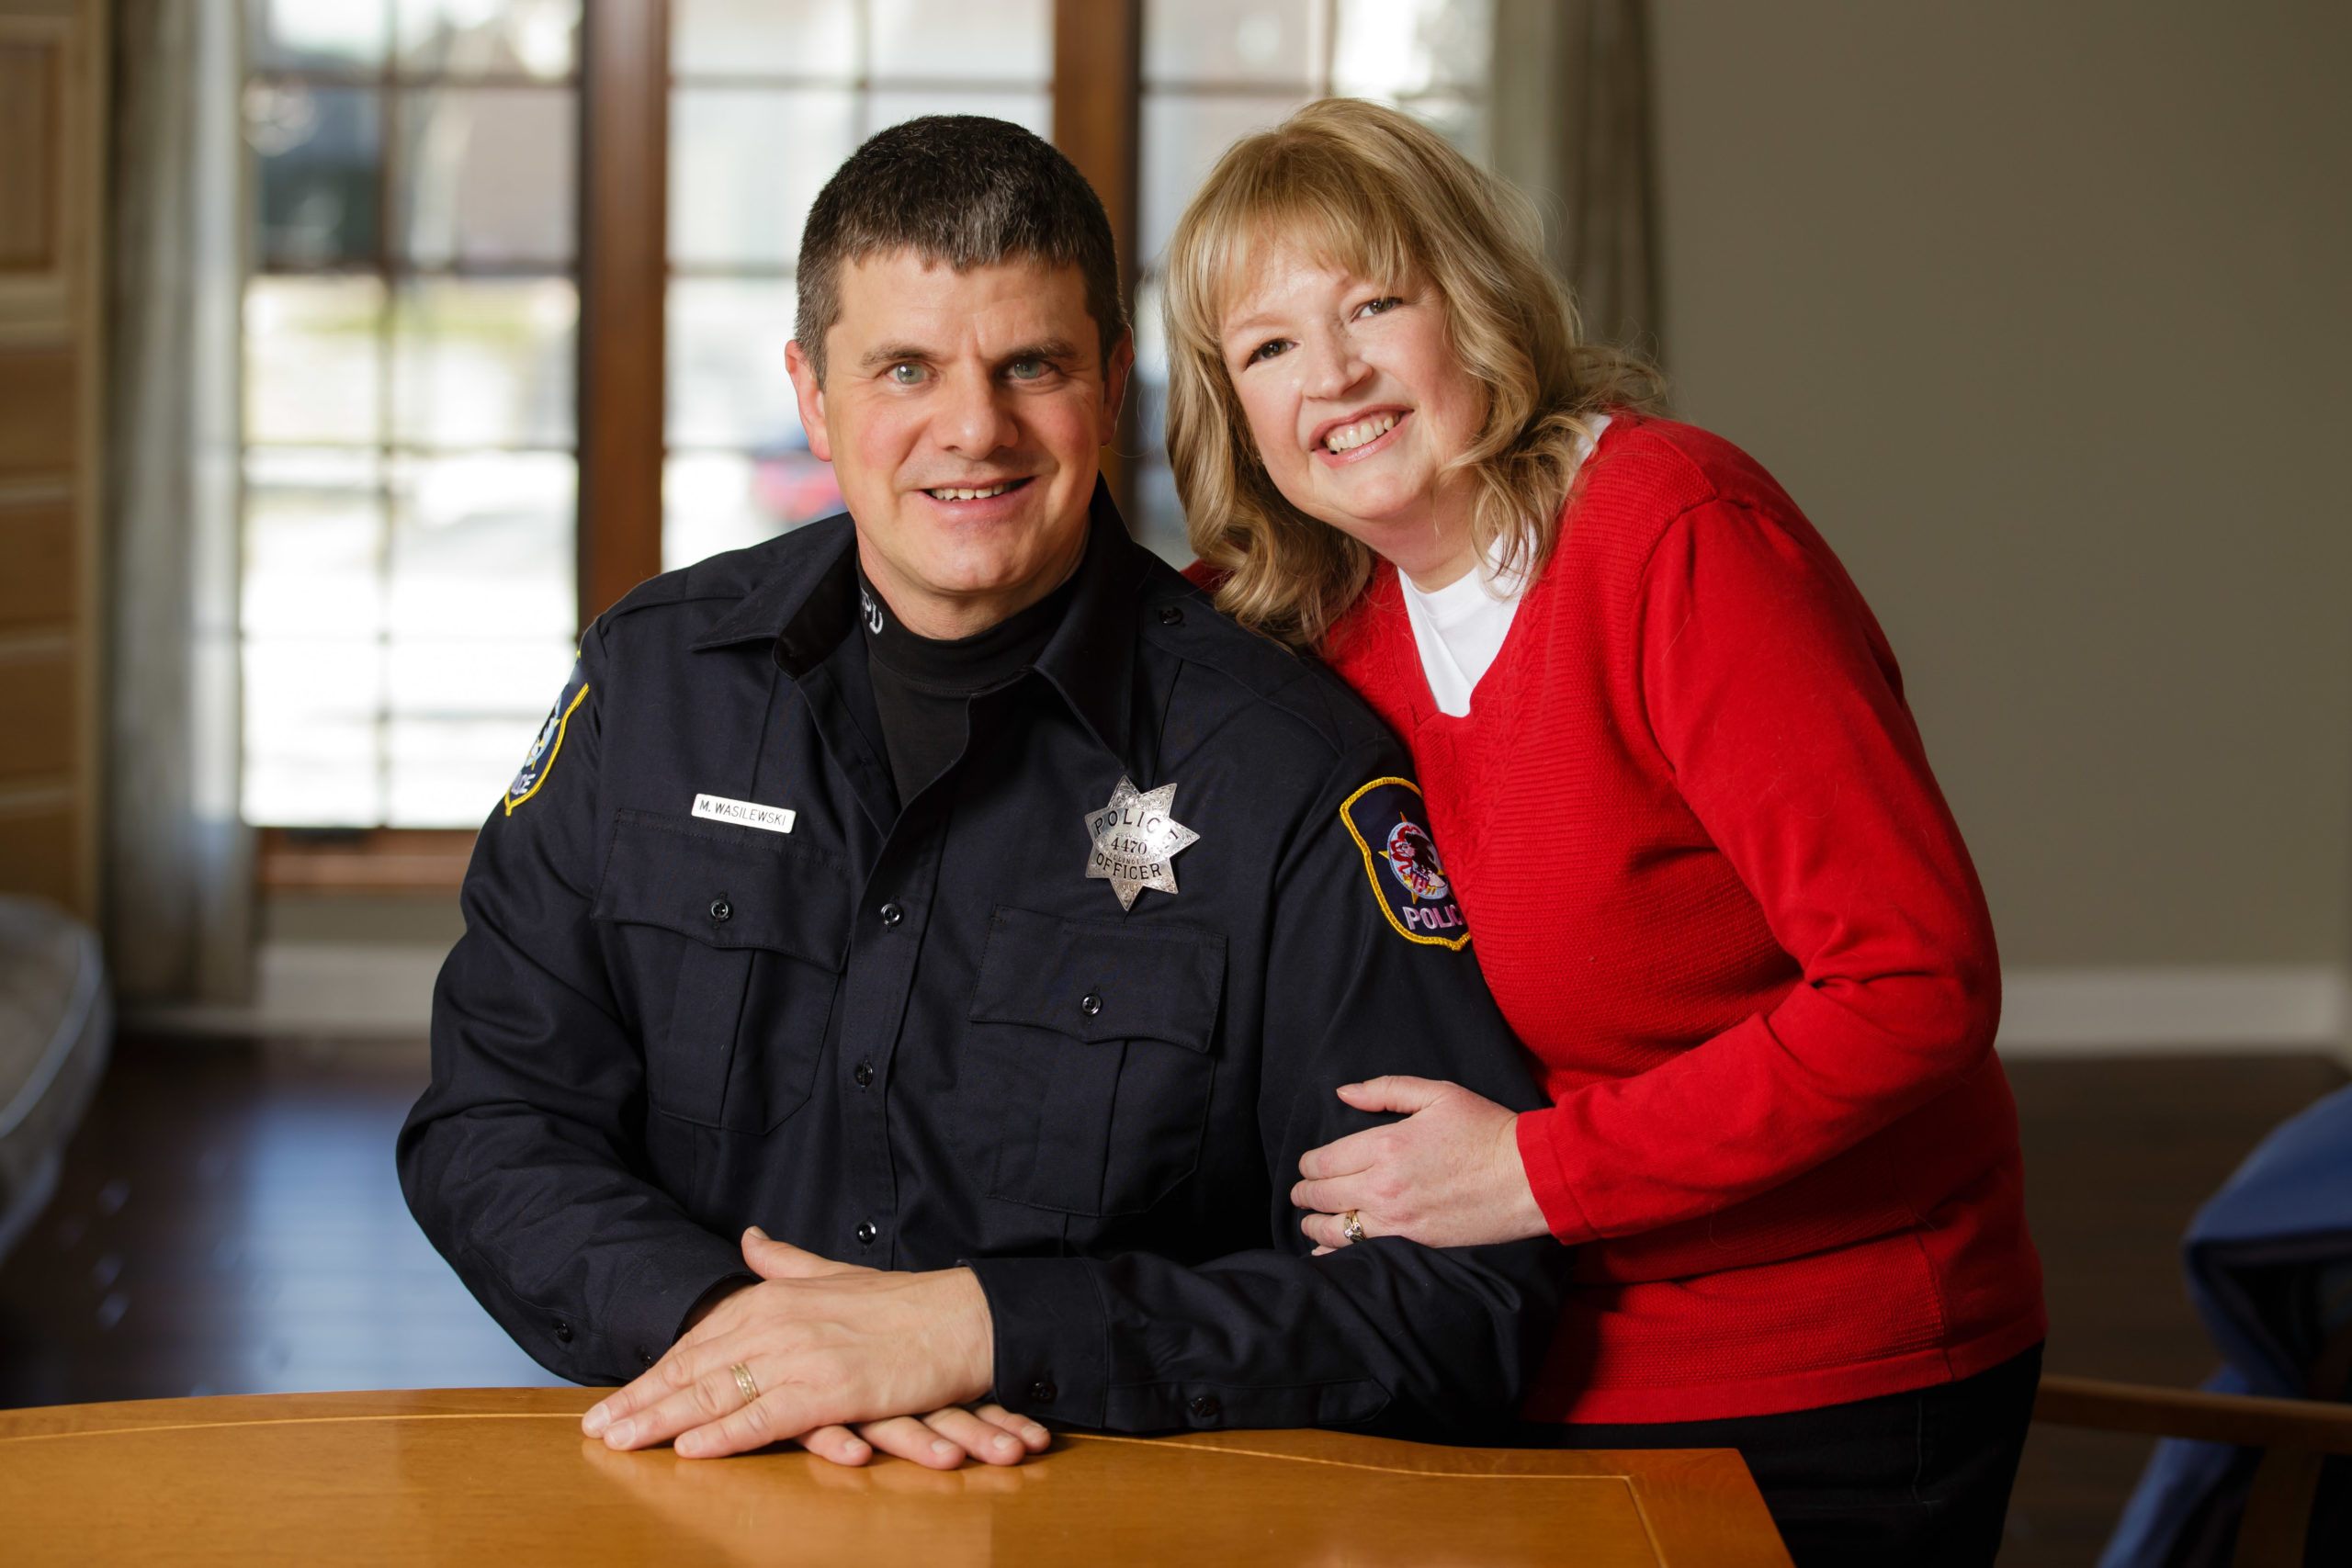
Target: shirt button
<point>563,1332</point>
<point>1208,1406</point>
<point>1089,1004</point>
<point>866,1232</point>
<point>1172,616</point>
<point>1043,1391</point>
<point>892,914</point>
<point>645,1358</point>
<point>864,1075</point>
<point>722,910</point>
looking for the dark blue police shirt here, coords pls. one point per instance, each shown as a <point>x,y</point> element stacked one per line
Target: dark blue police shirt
<point>914,1037</point>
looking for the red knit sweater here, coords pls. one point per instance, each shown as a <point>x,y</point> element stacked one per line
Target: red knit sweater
<point>1714,888</point>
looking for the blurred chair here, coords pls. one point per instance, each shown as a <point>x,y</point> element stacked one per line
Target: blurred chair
<point>56,1024</point>
<point>2256,1470</point>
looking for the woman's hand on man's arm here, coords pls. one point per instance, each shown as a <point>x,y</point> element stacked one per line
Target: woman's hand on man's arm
<point>1448,1175</point>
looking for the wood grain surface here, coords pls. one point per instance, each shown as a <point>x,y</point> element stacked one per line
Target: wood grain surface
<point>502,1476</point>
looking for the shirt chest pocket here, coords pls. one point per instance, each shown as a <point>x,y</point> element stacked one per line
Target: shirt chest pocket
<point>735,943</point>
<point>1090,1061</point>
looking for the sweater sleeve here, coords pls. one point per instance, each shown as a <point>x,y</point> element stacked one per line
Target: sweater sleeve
<point>1775,701</point>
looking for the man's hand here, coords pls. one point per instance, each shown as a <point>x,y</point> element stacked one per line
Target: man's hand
<point>829,1345</point>
<point>1448,1175</point>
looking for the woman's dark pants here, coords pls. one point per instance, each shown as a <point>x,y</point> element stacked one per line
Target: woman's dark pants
<point>1920,1479</point>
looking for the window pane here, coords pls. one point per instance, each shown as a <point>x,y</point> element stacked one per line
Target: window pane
<point>313,359</point>
<point>484,363</point>
<point>1182,137</point>
<point>1034,111</point>
<point>1460,120</point>
<point>1229,41</point>
<point>463,715</point>
<point>950,40</point>
<point>486,176</point>
<point>727,385</point>
<point>311,731</point>
<point>315,535</point>
<point>482,546</point>
<point>450,774</point>
<point>319,155</point>
<point>317,34</point>
<point>1387,48</point>
<point>488,37</point>
<point>759,37</point>
<point>1161,529</point>
<point>744,165</point>
<point>725,501</point>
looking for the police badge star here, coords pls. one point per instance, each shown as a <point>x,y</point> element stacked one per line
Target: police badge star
<point>1133,840</point>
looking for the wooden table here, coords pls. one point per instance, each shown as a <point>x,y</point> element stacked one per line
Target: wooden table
<point>502,1476</point>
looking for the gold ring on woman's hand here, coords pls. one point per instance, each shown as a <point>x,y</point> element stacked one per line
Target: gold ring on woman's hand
<point>1351,1226</point>
<point>743,1381</point>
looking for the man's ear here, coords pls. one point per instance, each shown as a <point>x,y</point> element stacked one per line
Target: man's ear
<point>810,393</point>
<point>1115,377</point>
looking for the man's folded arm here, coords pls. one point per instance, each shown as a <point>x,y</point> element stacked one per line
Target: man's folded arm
<point>1385,1334</point>
<point>517,1162</point>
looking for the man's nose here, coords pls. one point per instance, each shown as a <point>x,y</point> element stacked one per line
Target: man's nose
<point>975,419</point>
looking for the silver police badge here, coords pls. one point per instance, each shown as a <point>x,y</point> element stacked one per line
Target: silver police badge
<point>1133,839</point>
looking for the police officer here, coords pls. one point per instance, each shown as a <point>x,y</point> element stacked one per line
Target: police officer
<point>947,902</point>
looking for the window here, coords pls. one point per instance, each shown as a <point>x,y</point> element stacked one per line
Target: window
<point>1214,70</point>
<point>408,598</point>
<point>767,98</point>
<point>413,564</point>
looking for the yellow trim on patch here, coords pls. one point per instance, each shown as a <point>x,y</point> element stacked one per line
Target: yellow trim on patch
<point>553,751</point>
<point>1372,872</point>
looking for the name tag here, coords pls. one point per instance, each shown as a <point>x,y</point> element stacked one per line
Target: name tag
<point>743,813</point>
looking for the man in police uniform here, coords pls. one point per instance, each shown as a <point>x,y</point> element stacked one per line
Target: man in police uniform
<point>948,893</point>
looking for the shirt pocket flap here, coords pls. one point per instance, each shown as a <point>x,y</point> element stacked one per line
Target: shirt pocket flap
<point>1095,981</point>
<point>726,887</point>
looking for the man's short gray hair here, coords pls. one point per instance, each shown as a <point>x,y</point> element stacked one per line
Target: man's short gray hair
<point>962,190</point>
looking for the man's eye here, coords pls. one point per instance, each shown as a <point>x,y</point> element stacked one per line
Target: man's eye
<point>1025,369</point>
<point>1267,350</point>
<point>907,374</point>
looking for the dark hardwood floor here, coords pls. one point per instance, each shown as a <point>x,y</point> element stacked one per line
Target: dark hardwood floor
<point>228,1222</point>
<point>2119,1155</point>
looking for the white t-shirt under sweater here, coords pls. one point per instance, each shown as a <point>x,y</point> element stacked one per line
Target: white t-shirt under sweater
<point>1460,627</point>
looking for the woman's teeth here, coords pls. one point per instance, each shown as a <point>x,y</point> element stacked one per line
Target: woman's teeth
<point>1347,437</point>
<point>970,494</point>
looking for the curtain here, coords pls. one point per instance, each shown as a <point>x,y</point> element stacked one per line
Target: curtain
<point>1572,129</point>
<point>178,861</point>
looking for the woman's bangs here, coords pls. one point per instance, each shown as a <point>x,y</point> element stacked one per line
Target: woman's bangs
<point>1341,216</point>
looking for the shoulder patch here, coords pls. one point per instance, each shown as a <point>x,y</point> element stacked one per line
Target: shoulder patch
<point>1388,823</point>
<point>545,749</point>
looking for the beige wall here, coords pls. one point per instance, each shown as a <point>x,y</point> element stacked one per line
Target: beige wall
<point>2043,312</point>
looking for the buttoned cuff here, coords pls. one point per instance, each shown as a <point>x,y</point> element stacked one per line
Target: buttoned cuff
<point>1052,1331</point>
<point>1548,1180</point>
<point>645,1318</point>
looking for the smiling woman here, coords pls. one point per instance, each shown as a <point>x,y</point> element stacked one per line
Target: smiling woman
<point>1689,823</point>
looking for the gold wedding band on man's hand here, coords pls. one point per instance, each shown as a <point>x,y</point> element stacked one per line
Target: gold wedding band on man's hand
<point>1351,1226</point>
<point>743,1381</point>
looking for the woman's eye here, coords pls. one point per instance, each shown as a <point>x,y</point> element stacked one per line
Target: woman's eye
<point>1267,350</point>
<point>907,374</point>
<point>1382,306</point>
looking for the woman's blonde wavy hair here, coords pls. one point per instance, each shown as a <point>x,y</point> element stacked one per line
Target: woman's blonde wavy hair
<point>1373,190</point>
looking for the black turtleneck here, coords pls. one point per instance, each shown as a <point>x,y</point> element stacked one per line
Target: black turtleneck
<point>922,687</point>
